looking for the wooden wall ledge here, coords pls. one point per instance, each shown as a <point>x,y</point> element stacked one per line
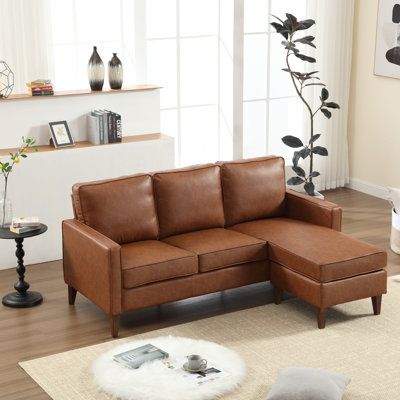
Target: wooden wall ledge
<point>83,92</point>
<point>86,144</point>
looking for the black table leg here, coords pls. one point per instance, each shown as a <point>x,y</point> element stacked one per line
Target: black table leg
<point>21,298</point>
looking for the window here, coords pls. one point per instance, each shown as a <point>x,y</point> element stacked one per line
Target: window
<point>77,26</point>
<point>182,40</point>
<point>271,108</point>
<point>187,47</point>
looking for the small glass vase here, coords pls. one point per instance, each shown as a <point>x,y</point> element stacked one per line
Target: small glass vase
<point>5,212</point>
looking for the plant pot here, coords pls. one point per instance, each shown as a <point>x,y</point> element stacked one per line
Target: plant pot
<point>318,195</point>
<point>395,233</point>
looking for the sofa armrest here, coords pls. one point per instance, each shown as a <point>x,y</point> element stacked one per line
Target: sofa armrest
<point>92,265</point>
<point>316,211</point>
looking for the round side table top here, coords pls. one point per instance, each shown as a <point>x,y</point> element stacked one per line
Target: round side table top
<point>5,233</point>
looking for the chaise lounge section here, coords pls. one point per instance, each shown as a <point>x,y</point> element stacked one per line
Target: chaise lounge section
<point>149,239</point>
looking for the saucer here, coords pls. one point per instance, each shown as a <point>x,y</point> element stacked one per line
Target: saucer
<point>187,369</point>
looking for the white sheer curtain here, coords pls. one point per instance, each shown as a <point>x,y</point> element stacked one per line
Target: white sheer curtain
<point>334,29</point>
<point>25,40</point>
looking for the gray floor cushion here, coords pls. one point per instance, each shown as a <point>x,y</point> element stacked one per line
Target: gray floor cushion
<point>298,383</point>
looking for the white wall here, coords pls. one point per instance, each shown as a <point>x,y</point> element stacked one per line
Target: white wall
<point>140,112</point>
<point>42,186</point>
<point>374,131</point>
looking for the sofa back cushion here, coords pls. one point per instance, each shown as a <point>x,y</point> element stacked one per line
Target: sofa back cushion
<point>253,189</point>
<point>122,209</point>
<point>189,199</point>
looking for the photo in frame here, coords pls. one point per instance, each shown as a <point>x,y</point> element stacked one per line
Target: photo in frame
<point>387,51</point>
<point>61,134</point>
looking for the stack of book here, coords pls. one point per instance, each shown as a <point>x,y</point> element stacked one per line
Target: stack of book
<point>41,87</point>
<point>24,224</point>
<point>136,357</point>
<point>104,126</point>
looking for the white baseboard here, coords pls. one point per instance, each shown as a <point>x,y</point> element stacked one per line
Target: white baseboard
<point>368,188</point>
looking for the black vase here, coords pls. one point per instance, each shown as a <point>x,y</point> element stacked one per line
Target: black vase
<point>96,71</point>
<point>115,72</point>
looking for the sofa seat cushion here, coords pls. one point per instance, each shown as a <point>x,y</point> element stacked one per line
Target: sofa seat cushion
<point>153,261</point>
<point>219,248</point>
<point>315,251</point>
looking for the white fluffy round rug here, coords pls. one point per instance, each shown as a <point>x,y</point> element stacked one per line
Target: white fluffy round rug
<point>155,381</point>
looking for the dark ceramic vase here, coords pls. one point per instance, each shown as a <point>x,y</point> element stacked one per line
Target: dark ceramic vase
<point>115,72</point>
<point>96,71</point>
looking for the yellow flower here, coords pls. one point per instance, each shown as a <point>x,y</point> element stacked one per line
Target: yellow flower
<point>24,150</point>
<point>16,160</point>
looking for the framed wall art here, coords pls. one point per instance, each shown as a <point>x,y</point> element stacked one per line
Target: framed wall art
<point>387,52</point>
<point>60,134</point>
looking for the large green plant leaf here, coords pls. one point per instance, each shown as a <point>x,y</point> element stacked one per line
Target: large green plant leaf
<point>324,94</point>
<point>332,104</point>
<point>314,174</point>
<point>309,188</point>
<point>293,21</point>
<point>281,29</point>
<point>314,138</point>
<point>305,58</point>
<point>326,112</point>
<point>299,171</point>
<point>304,152</point>
<point>308,40</point>
<point>292,141</point>
<point>321,151</point>
<point>305,24</point>
<point>296,180</point>
<point>296,158</point>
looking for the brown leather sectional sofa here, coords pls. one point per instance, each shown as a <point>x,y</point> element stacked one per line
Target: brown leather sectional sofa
<point>148,239</point>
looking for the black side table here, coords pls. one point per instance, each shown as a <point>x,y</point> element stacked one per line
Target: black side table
<point>21,298</point>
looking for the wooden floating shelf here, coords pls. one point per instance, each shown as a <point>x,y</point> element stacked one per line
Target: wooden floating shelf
<point>83,92</point>
<point>86,144</point>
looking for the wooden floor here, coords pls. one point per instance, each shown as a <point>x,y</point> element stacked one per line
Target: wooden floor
<point>54,326</point>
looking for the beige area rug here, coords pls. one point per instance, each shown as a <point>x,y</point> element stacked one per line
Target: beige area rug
<point>356,343</point>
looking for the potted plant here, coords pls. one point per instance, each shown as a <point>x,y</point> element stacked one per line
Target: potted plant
<point>6,167</point>
<point>289,29</point>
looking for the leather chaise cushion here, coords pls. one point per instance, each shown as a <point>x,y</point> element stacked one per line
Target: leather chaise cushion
<point>220,248</point>
<point>315,251</point>
<point>189,199</point>
<point>122,209</point>
<point>253,189</point>
<point>154,261</point>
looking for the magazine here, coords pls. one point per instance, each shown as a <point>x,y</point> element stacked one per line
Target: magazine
<point>136,357</point>
<point>201,378</point>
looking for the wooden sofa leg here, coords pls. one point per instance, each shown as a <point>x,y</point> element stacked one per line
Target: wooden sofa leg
<point>321,316</point>
<point>376,304</point>
<point>278,295</point>
<point>71,295</point>
<point>114,320</point>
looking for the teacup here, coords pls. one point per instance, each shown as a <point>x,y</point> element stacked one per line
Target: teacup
<point>196,362</point>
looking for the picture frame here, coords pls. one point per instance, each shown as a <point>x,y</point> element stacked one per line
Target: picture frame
<point>61,134</point>
<point>387,47</point>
